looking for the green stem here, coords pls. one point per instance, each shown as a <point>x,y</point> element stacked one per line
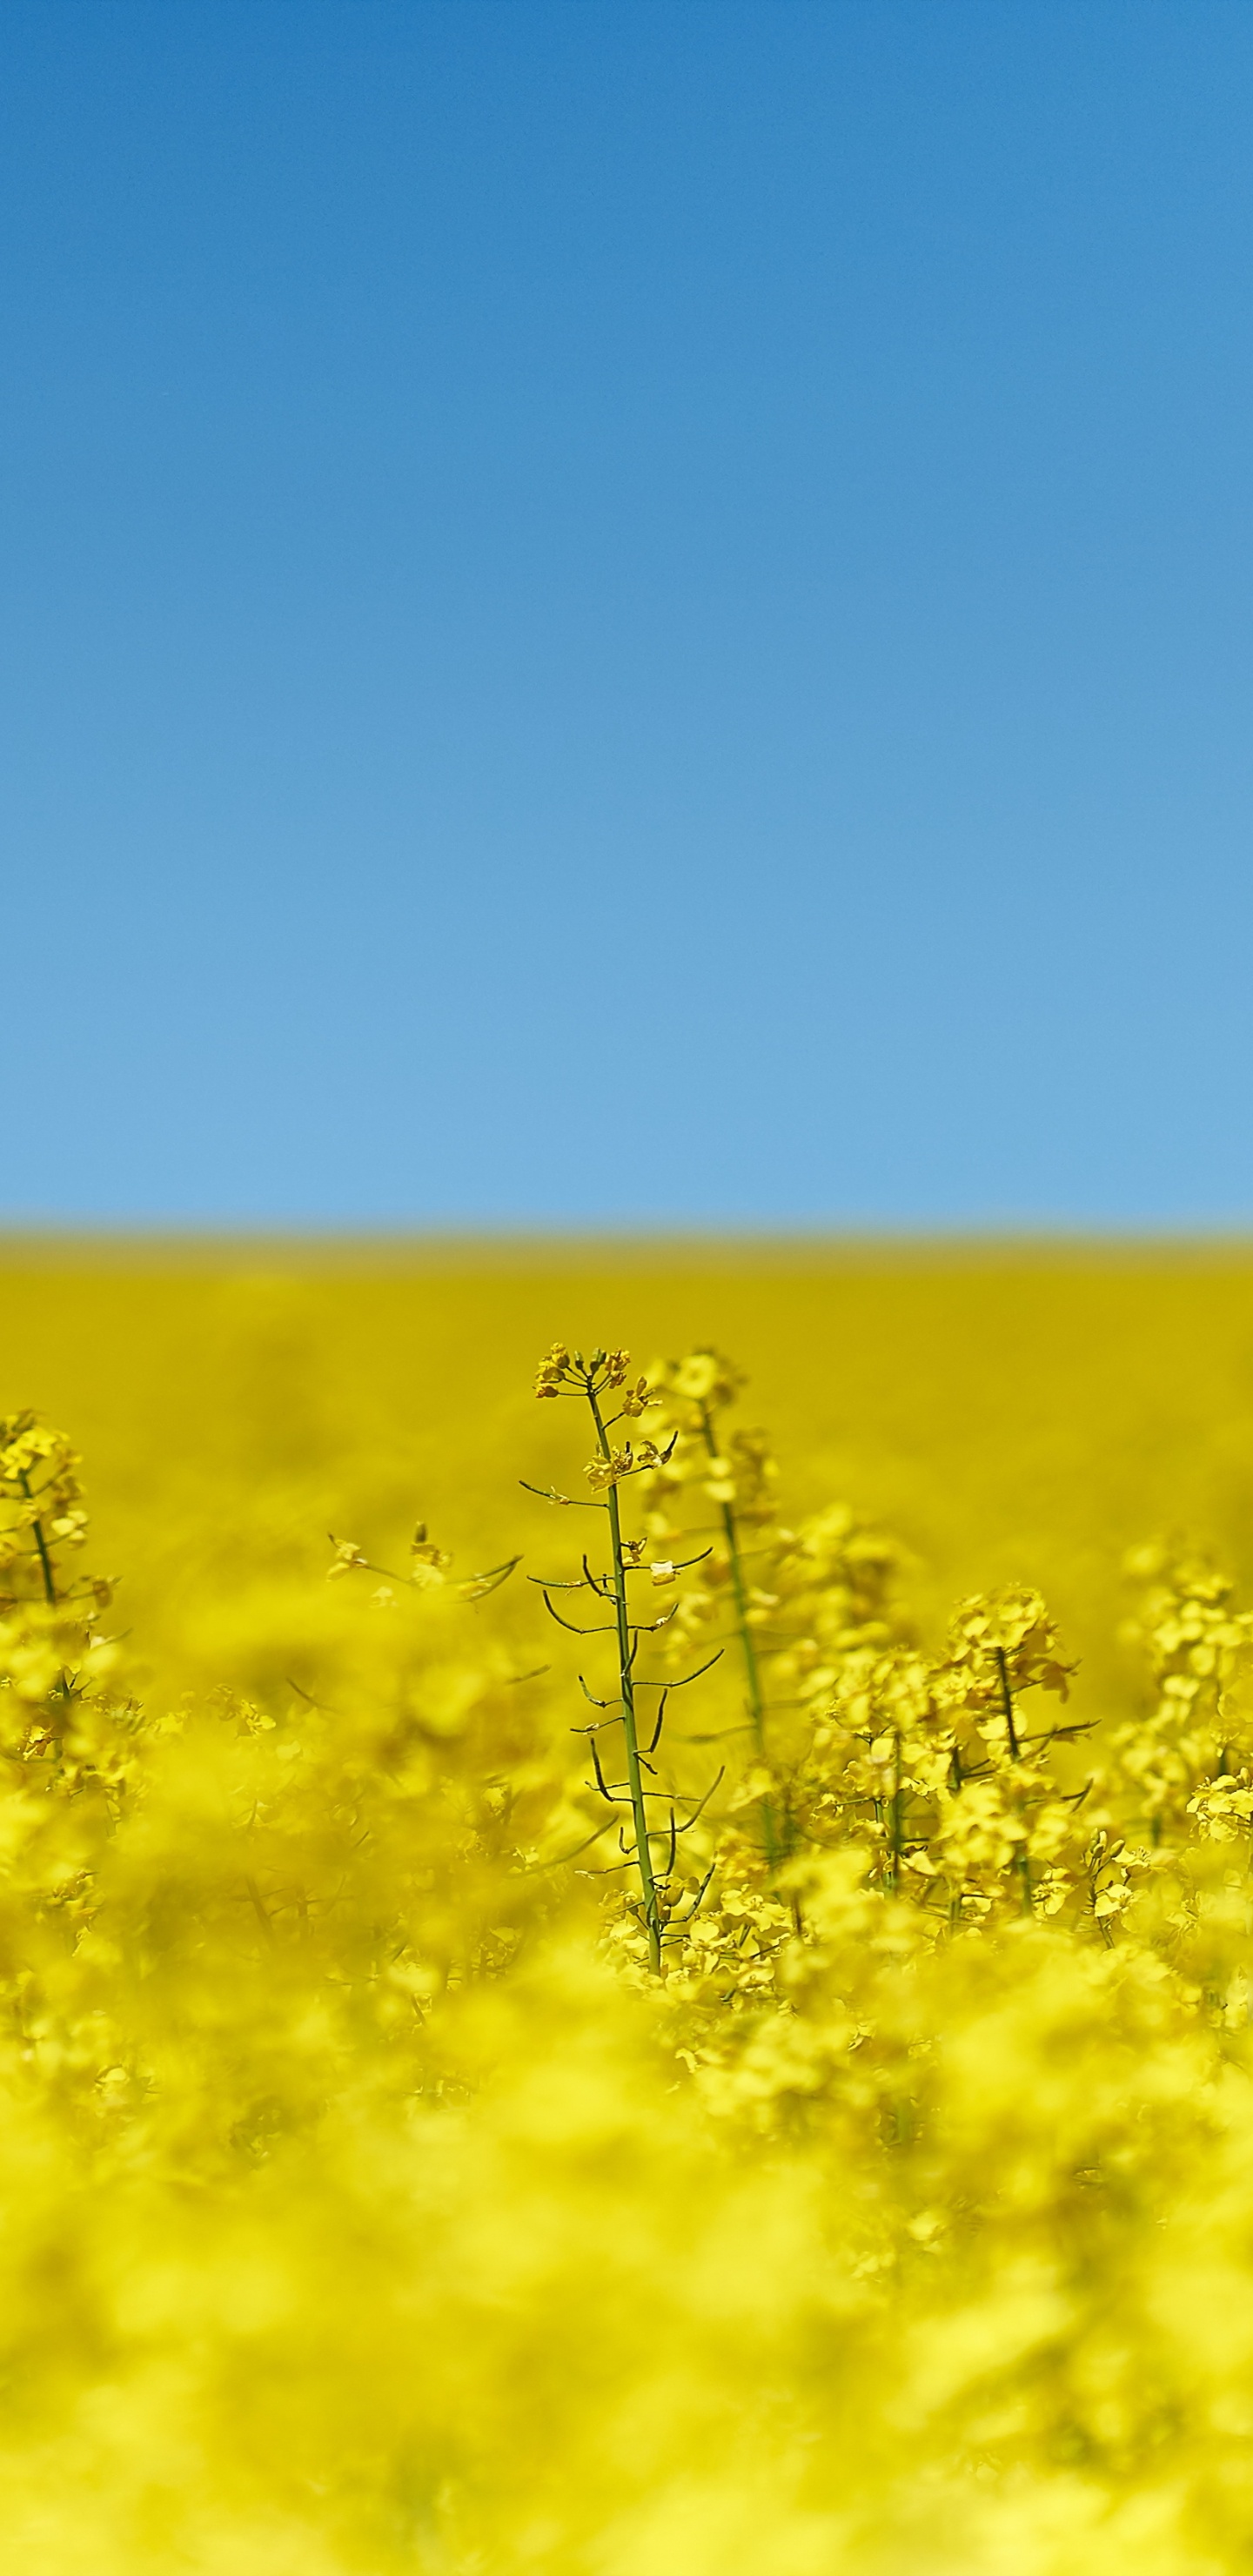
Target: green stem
<point>45,1561</point>
<point>896,1820</point>
<point>1007,1703</point>
<point>748,1649</point>
<point>1023,1860</point>
<point>635,1777</point>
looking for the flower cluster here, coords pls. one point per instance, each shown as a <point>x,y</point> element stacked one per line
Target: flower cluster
<point>668,2051</point>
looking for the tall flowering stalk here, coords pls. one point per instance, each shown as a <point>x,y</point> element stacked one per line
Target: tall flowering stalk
<point>736,1475</point>
<point>40,1512</point>
<point>52,1656</point>
<point>596,1378</point>
<point>723,1491</point>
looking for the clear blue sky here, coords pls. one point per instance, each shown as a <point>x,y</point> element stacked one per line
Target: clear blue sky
<point>627,611</point>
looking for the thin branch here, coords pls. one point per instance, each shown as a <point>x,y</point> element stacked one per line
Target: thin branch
<point>569,1623</point>
<point>683,1683</point>
<point>699,1809</point>
<point>700,1892</point>
<point>561,1860</point>
<point>476,1587</point>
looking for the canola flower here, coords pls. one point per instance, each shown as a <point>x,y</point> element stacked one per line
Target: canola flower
<point>764,2086</point>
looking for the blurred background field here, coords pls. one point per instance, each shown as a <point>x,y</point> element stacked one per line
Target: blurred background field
<point>1009,1411</point>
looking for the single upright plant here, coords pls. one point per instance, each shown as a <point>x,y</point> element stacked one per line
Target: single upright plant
<point>51,1653</point>
<point>708,1382</point>
<point>65,1730</point>
<point>597,1379</point>
<point>41,1512</point>
<point>792,1603</point>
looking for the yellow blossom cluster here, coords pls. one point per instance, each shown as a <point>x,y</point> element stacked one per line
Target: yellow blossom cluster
<point>621,2040</point>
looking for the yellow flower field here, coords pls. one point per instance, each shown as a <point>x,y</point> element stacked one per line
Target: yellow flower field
<point>761,2087</point>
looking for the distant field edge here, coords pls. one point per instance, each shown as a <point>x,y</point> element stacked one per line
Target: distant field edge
<point>652,1248</point>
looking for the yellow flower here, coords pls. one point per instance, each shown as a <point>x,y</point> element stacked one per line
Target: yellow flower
<point>347,1555</point>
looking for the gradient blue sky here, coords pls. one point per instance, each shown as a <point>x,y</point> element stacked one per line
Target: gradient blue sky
<point>634,613</point>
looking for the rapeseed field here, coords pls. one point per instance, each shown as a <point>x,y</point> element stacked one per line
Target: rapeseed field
<point>626,1911</point>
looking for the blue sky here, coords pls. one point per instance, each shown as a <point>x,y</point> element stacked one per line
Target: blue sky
<point>618,613</point>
